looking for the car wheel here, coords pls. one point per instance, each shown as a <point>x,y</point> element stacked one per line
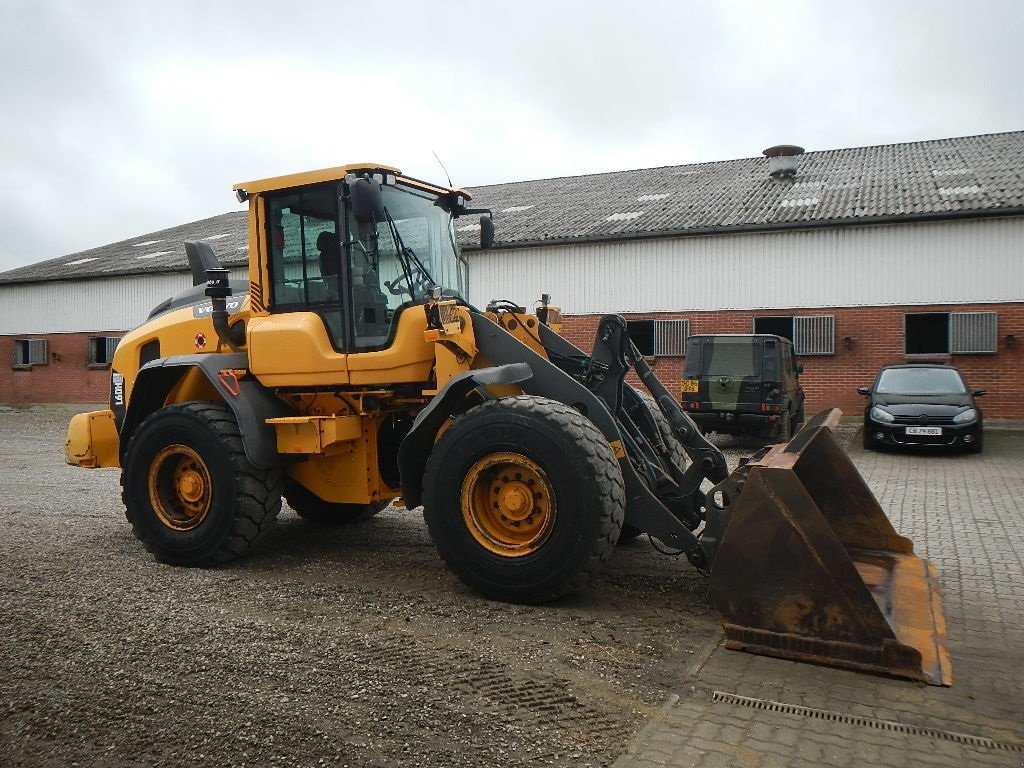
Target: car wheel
<point>977,446</point>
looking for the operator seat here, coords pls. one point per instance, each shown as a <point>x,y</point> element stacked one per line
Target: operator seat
<point>329,246</point>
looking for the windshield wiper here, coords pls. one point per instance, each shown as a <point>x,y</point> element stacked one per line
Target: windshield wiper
<point>407,258</point>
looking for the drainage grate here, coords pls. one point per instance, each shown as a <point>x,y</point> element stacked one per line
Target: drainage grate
<point>868,722</point>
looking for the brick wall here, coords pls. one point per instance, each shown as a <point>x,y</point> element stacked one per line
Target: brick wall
<point>66,378</point>
<point>876,335</point>
<point>829,380</point>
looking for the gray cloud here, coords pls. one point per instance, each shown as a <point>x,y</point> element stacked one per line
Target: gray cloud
<point>122,118</point>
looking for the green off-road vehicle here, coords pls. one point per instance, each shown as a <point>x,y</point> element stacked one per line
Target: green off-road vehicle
<point>743,383</point>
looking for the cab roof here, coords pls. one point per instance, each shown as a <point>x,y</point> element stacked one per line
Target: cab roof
<point>337,174</point>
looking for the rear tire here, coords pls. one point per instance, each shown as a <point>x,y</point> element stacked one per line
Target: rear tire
<point>523,498</point>
<point>798,420</point>
<point>784,428</point>
<point>190,492</point>
<point>312,508</point>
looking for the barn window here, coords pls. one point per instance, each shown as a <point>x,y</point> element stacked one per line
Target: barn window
<point>101,349</point>
<point>29,352</point>
<point>810,334</point>
<point>957,333</point>
<point>659,338</point>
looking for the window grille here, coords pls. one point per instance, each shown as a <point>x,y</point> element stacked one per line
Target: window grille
<point>814,335</point>
<point>670,337</point>
<point>973,332</point>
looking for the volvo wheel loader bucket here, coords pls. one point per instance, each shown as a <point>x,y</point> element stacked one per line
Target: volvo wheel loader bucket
<point>809,568</point>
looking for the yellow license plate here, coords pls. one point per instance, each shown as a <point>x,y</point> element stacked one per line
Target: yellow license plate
<point>690,385</point>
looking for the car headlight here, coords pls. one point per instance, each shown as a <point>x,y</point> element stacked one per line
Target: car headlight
<point>880,414</point>
<point>965,416</point>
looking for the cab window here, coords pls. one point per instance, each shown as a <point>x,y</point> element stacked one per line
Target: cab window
<point>305,255</point>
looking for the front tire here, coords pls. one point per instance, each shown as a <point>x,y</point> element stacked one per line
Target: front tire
<point>190,492</point>
<point>523,498</point>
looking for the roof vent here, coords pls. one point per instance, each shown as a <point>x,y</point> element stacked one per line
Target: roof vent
<point>782,160</point>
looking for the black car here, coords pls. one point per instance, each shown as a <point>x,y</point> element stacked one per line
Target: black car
<point>922,405</point>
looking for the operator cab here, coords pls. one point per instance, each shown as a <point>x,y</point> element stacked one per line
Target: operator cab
<point>358,250</point>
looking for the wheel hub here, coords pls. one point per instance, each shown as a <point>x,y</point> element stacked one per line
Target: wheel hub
<point>508,504</point>
<point>179,487</point>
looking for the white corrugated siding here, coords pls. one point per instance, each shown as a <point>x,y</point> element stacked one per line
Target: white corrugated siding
<point>900,264</point>
<point>69,306</point>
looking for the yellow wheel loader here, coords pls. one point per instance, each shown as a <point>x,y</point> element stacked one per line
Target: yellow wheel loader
<point>350,371</point>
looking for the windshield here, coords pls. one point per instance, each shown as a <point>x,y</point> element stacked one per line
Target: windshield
<point>411,251</point>
<point>920,381</point>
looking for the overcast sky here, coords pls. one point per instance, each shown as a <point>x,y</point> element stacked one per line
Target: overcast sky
<point>121,118</point>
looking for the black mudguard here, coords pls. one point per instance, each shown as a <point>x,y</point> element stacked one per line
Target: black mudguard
<point>451,400</point>
<point>251,402</point>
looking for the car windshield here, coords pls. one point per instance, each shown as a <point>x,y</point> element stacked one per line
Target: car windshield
<point>920,381</point>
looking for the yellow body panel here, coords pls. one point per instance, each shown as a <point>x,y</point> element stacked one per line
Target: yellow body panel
<point>409,359</point>
<point>349,475</point>
<point>178,332</point>
<point>294,350</point>
<point>92,440</point>
<point>315,434</point>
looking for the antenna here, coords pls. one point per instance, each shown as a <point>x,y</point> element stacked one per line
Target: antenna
<point>442,167</point>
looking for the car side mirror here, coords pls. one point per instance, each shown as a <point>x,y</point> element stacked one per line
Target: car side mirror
<point>979,392</point>
<point>864,390</point>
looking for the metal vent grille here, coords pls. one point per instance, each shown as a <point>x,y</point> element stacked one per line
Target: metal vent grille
<point>972,332</point>
<point>814,335</point>
<point>670,337</point>
<point>867,722</point>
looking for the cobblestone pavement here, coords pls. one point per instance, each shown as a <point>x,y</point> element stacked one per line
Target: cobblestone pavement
<point>965,514</point>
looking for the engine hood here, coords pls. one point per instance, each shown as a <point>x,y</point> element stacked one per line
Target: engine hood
<point>937,405</point>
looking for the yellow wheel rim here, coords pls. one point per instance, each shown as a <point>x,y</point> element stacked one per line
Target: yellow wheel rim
<point>180,490</point>
<point>508,504</point>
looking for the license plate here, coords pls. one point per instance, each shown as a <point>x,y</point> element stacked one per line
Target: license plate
<point>691,385</point>
<point>924,430</point>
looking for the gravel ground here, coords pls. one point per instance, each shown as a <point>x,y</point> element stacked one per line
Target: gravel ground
<point>340,647</point>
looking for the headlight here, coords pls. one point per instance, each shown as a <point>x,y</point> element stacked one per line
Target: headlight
<point>965,416</point>
<point>880,414</point>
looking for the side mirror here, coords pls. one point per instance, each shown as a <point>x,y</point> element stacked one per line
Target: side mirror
<point>979,392</point>
<point>486,231</point>
<point>799,367</point>
<point>367,206</point>
<point>864,390</point>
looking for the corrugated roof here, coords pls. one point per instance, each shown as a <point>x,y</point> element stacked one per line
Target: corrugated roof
<point>965,176</point>
<point>161,251</point>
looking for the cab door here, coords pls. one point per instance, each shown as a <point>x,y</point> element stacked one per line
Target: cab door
<point>303,338</point>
